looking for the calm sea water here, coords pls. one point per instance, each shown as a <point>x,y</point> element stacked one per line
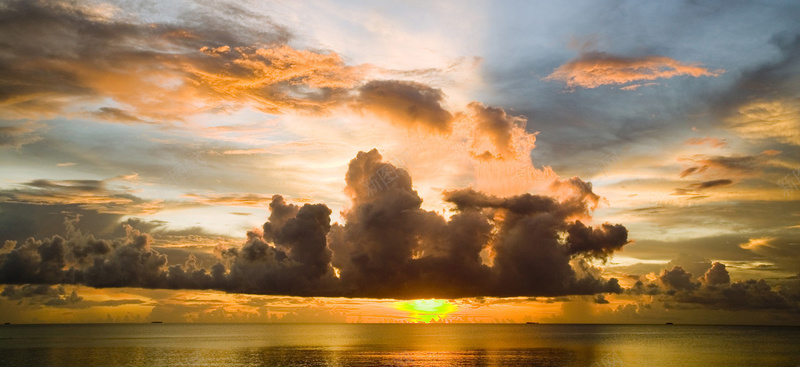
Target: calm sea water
<point>397,345</point>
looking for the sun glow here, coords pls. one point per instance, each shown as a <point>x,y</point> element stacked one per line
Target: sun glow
<point>426,310</point>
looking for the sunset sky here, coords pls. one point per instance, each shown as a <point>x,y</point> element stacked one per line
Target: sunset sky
<point>348,161</point>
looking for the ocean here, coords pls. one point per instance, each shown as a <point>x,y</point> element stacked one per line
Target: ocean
<point>398,345</point>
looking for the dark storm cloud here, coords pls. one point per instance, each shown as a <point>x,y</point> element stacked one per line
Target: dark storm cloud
<point>388,247</point>
<point>406,103</point>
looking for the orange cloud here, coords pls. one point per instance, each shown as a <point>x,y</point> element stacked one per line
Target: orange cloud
<point>713,142</point>
<point>274,77</point>
<point>595,69</point>
<point>249,200</point>
<point>155,72</point>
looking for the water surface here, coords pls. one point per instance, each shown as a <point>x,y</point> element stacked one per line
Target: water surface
<point>397,345</point>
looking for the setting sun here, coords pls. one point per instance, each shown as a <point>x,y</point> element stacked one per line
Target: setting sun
<point>426,310</point>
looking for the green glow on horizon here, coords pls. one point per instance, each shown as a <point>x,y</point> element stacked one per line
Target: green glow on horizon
<point>426,310</point>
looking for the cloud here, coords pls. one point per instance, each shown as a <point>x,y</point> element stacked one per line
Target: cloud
<point>278,78</point>
<point>388,247</point>
<point>763,103</point>
<point>718,165</point>
<point>405,103</point>
<point>678,279</point>
<point>677,289</point>
<point>15,136</point>
<point>713,142</point>
<point>249,199</point>
<point>115,114</point>
<point>717,275</point>
<point>501,130</point>
<point>86,194</point>
<point>48,295</point>
<point>768,119</point>
<point>713,183</point>
<point>157,71</point>
<point>595,69</point>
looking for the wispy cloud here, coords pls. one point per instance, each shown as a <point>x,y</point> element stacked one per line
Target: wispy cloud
<point>595,69</point>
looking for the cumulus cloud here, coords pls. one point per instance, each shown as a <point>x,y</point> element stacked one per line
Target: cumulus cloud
<point>387,247</point>
<point>678,279</point>
<point>502,131</point>
<point>717,275</point>
<point>405,103</point>
<point>678,288</point>
<point>595,69</point>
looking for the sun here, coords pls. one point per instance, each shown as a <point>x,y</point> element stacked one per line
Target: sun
<point>426,310</point>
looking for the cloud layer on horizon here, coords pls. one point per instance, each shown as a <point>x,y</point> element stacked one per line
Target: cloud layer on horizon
<point>388,247</point>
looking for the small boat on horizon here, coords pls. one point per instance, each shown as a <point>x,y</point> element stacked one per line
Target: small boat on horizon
<point>156,322</point>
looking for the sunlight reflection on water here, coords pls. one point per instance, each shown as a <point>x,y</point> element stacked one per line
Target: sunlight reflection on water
<point>397,345</point>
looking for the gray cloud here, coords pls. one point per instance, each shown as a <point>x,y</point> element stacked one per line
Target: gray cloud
<point>678,279</point>
<point>15,136</point>
<point>712,183</point>
<point>717,275</point>
<point>406,103</point>
<point>48,295</point>
<point>677,289</point>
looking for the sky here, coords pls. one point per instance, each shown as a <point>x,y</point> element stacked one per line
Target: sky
<point>409,161</point>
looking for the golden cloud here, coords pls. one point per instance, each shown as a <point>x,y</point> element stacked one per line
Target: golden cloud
<point>761,119</point>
